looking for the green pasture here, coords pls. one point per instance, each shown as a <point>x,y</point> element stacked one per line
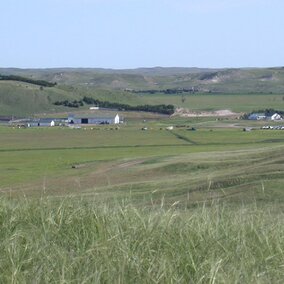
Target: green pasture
<point>229,137</point>
<point>211,102</point>
<point>111,163</point>
<point>97,204</point>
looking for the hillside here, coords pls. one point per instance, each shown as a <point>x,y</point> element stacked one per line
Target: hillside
<point>135,86</point>
<point>18,98</point>
<point>215,80</point>
<point>22,99</point>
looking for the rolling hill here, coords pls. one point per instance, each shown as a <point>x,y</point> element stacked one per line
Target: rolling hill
<point>132,86</point>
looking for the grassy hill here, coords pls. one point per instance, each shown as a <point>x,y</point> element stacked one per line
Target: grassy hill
<point>22,99</point>
<point>138,86</point>
<point>18,98</point>
<point>216,80</point>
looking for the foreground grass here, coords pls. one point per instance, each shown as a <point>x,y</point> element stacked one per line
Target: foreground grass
<point>74,241</point>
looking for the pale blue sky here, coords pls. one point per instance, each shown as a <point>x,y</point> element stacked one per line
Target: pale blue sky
<point>141,33</point>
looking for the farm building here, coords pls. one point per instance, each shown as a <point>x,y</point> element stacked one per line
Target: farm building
<point>257,116</point>
<point>275,116</point>
<point>93,120</point>
<point>262,116</point>
<point>44,122</point>
<point>49,122</point>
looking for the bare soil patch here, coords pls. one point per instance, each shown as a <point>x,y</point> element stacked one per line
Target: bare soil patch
<point>184,112</point>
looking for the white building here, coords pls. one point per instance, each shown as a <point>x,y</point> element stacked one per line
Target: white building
<point>275,116</point>
<point>44,122</point>
<point>93,120</point>
<point>116,119</point>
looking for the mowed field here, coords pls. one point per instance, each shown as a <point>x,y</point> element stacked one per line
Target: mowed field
<point>179,165</point>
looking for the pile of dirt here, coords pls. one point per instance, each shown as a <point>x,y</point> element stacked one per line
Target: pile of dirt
<point>184,112</point>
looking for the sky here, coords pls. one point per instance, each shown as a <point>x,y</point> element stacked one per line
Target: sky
<point>124,34</point>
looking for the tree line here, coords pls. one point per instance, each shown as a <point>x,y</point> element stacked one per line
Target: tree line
<point>42,83</point>
<point>66,103</point>
<point>162,108</point>
<point>164,91</point>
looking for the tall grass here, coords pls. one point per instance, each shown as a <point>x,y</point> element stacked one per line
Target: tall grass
<point>77,241</point>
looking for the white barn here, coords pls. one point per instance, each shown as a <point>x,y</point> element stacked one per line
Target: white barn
<point>93,120</point>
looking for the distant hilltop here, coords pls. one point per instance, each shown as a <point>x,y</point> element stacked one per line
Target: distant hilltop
<point>232,80</point>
